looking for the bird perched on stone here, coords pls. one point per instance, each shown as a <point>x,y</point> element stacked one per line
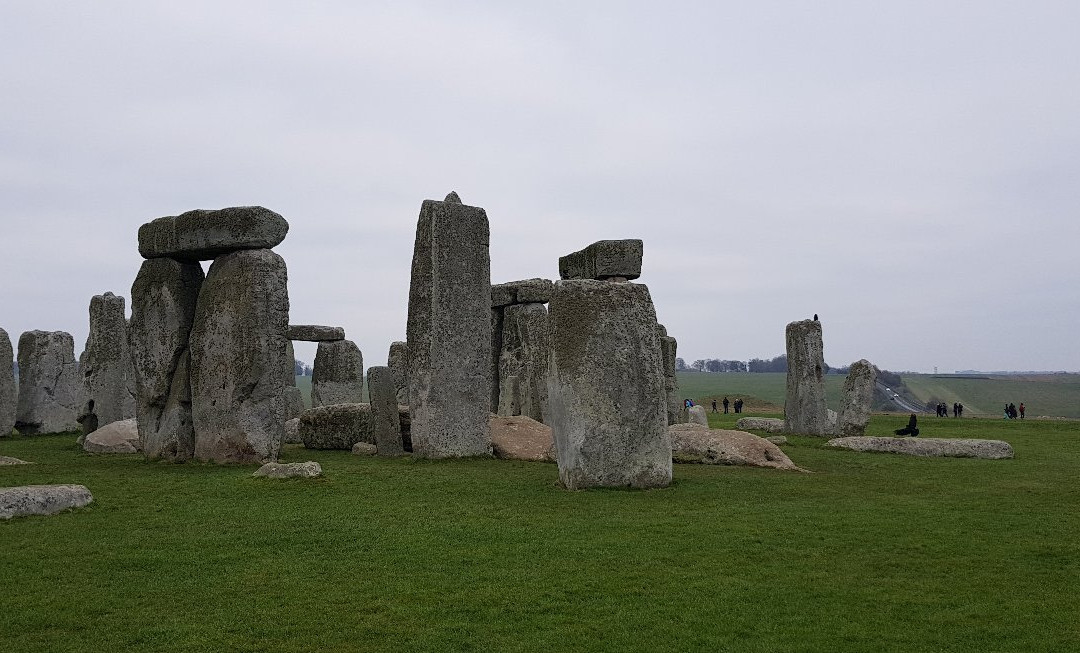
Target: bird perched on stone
<point>815,317</point>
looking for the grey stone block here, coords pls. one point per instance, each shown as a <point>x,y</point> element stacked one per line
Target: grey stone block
<point>315,333</point>
<point>385,424</point>
<point>398,362</point>
<point>202,235</point>
<point>27,500</point>
<point>930,447</point>
<point>105,365</point>
<point>526,291</point>
<point>9,392</point>
<point>804,402</point>
<point>854,412</point>
<point>338,426</point>
<point>337,377</point>
<point>48,383</point>
<point>604,259</point>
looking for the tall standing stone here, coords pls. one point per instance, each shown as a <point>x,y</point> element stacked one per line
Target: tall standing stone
<point>337,377</point>
<point>805,410</point>
<point>858,396</point>
<point>676,411</point>
<point>523,361</point>
<point>449,331</point>
<point>398,362</point>
<point>105,365</point>
<point>606,393</point>
<point>48,383</point>
<point>385,425</point>
<point>163,300</point>
<point>9,393</point>
<point>238,352</point>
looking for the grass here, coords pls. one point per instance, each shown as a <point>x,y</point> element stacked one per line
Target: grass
<point>871,552</point>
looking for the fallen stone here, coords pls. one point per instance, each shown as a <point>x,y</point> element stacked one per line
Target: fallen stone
<point>692,443</point>
<point>776,439</point>
<point>338,426</point>
<point>8,460</point>
<point>805,411</point>
<point>385,427</point>
<point>698,416</point>
<point>854,412</point>
<point>521,438</point>
<point>364,449</point>
<point>931,447</point>
<point>526,291</point>
<point>337,377</point>
<point>604,259</point>
<point>48,383</point>
<point>315,333</point>
<point>767,424</point>
<point>28,500</point>
<point>114,437</point>
<point>398,362</point>
<point>238,358</point>
<point>292,431</point>
<point>9,391</point>
<point>309,469</point>
<point>202,235</point>
<point>105,365</point>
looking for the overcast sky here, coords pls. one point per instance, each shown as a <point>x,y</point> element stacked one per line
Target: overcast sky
<point>908,170</point>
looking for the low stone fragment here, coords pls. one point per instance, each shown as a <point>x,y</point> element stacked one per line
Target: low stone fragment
<point>603,259</point>
<point>337,377</point>
<point>521,438</point>
<point>778,440</point>
<point>292,432</point>
<point>48,383</point>
<point>526,291</point>
<point>692,443</point>
<point>202,235</point>
<point>767,424</point>
<point>8,460</point>
<point>364,449</point>
<point>698,416</point>
<point>309,469</point>
<point>115,437</point>
<point>28,500</point>
<point>338,426</point>
<point>9,392</point>
<point>854,412</point>
<point>315,333</point>
<point>930,447</point>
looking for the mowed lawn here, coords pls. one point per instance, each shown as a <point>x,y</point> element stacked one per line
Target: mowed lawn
<point>871,552</point>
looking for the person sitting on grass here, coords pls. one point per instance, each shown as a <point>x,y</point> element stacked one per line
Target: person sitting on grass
<point>911,429</point>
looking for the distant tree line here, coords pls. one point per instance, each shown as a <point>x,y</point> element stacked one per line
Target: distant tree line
<point>302,368</point>
<point>776,364</point>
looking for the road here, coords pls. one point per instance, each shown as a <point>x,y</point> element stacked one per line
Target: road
<point>902,403</point>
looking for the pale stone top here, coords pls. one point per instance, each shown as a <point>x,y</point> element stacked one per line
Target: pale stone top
<point>604,259</point>
<point>202,235</point>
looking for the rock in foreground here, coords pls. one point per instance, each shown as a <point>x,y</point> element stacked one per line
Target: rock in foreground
<point>693,443</point>
<point>521,438</point>
<point>114,437</point>
<point>767,424</point>
<point>42,499</point>
<point>930,447</point>
<point>310,469</point>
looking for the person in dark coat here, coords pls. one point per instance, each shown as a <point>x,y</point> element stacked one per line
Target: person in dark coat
<point>726,404</point>
<point>911,429</point>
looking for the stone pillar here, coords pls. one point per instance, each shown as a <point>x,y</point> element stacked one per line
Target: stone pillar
<point>854,412</point>
<point>163,300</point>
<point>385,425</point>
<point>805,411</point>
<point>9,393</point>
<point>294,398</point>
<point>676,411</point>
<point>523,361</point>
<point>48,383</point>
<point>398,361</point>
<point>449,331</point>
<point>337,377</point>
<point>105,364</point>
<point>606,393</point>
<point>238,352</point>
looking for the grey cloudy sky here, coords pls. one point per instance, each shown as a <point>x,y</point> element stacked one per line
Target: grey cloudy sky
<point>907,170</point>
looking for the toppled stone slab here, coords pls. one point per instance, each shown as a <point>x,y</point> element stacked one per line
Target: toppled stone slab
<point>526,291</point>
<point>692,443</point>
<point>767,424</point>
<point>364,449</point>
<point>28,500</point>
<point>202,235</point>
<point>315,333</point>
<point>698,416</point>
<point>521,438</point>
<point>805,411</point>
<point>115,437</point>
<point>292,431</point>
<point>338,426</point>
<point>8,460</point>
<point>930,447</point>
<point>9,391</point>
<point>337,377</point>
<point>604,259</point>
<point>309,469</point>
<point>48,383</point>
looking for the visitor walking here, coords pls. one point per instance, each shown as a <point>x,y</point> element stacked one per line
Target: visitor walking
<point>1021,410</point>
<point>714,405</point>
<point>726,404</point>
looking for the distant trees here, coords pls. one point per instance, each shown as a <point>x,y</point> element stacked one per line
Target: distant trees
<point>680,365</point>
<point>301,368</point>
<point>777,364</point>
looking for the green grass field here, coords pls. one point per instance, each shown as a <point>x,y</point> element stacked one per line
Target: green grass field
<point>872,552</point>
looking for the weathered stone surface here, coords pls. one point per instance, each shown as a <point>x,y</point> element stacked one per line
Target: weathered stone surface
<point>604,259</point>
<point>523,361</point>
<point>338,426</point>
<point>290,366</point>
<point>931,447</point>
<point>449,332</point>
<point>238,357</point>
<point>163,300</point>
<point>115,437</point>
<point>398,362</point>
<point>691,443</point>
<point>676,409</point>
<point>48,383</point>
<point>202,235</point>
<point>292,432</point>
<point>521,438</point>
<point>778,440</point>
<point>526,291</point>
<point>698,416</point>
<point>337,377</point>
<point>767,424</point>
<point>364,449</point>
<point>385,427</point>
<point>294,402</point>
<point>105,365</point>
<point>804,402</point>
<point>8,460</point>
<point>315,333</point>
<point>28,500</point>
<point>854,412</point>
<point>9,392</point>
<point>606,398</point>
<point>309,469</point>
<point>406,427</point>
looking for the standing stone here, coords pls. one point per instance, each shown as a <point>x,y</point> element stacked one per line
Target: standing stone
<point>676,410</point>
<point>294,397</point>
<point>289,371</point>
<point>163,300</point>
<point>385,426</point>
<point>9,393</point>
<point>805,411</point>
<point>337,376</point>
<point>854,412</point>
<point>48,383</point>
<point>523,361</point>
<point>449,331</point>
<point>604,259</point>
<point>398,362</point>
<point>238,352</point>
<point>606,397</point>
<point>105,365</point>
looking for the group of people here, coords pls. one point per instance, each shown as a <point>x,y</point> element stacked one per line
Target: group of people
<point>1012,412</point>
<point>957,409</point>
<point>738,404</point>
